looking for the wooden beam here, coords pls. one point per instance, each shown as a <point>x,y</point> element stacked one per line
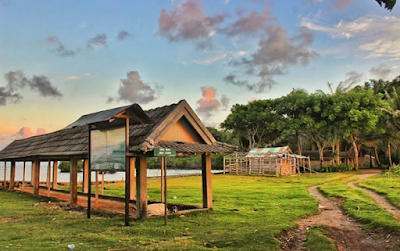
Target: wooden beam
<point>102,183</point>
<point>5,175</point>
<point>48,179</point>
<point>32,172</point>
<point>206,180</point>
<point>141,187</point>
<point>73,183</point>
<point>86,176</point>
<point>97,191</point>
<point>55,174</point>
<point>127,173</point>
<point>162,179</point>
<point>12,175</point>
<point>36,176</point>
<point>133,178</point>
<point>23,176</point>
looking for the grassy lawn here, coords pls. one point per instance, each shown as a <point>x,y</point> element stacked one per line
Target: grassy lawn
<point>362,207</point>
<point>248,212</point>
<point>318,240</point>
<point>385,185</point>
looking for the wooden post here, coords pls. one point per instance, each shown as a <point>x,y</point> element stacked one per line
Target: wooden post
<point>36,176</point>
<point>133,178</point>
<point>12,175</point>
<point>97,191</point>
<point>162,178</point>
<point>127,173</point>
<point>48,179</point>
<point>5,175</point>
<point>73,181</point>
<point>89,177</point>
<point>32,172</point>
<point>206,178</point>
<point>141,186</point>
<point>165,190</point>
<point>23,176</point>
<point>55,174</point>
<point>86,176</point>
<point>102,183</point>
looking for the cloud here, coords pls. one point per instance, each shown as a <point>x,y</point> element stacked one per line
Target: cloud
<point>123,35</point>
<point>375,36</point>
<point>59,48</point>
<point>134,90</point>
<point>275,54</point>
<point>40,131</point>
<point>24,132</point>
<point>16,81</point>
<point>97,42</point>
<point>342,4</point>
<point>208,104</point>
<point>82,25</point>
<point>8,96</point>
<point>352,78</point>
<point>188,22</point>
<point>381,71</point>
<point>247,24</point>
<point>210,60</point>
<point>78,76</point>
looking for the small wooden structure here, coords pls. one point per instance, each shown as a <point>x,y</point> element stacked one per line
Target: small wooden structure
<point>175,126</point>
<point>274,161</point>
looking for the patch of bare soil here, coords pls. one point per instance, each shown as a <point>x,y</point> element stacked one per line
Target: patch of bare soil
<point>346,232</point>
<point>381,200</point>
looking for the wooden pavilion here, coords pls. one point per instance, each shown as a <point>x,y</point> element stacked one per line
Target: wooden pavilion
<point>175,125</point>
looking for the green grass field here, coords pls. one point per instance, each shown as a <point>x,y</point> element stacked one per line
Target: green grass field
<point>248,213</point>
<point>385,185</point>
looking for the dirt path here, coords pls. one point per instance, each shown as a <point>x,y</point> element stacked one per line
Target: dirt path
<point>346,232</point>
<point>381,200</point>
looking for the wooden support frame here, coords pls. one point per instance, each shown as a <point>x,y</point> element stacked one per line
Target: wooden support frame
<point>5,175</point>
<point>32,172</point>
<point>162,179</point>
<point>132,177</point>
<point>12,175</point>
<point>23,176</point>
<point>85,176</point>
<point>206,180</point>
<point>48,179</point>
<point>55,174</point>
<point>89,177</point>
<point>36,176</point>
<point>127,173</point>
<point>141,187</point>
<point>73,183</point>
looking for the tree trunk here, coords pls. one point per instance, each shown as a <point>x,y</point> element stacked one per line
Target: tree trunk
<point>355,152</point>
<point>389,150</point>
<point>338,150</point>
<point>299,143</point>
<point>377,156</point>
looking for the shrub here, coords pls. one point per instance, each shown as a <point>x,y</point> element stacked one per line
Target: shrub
<point>393,170</point>
<point>337,168</point>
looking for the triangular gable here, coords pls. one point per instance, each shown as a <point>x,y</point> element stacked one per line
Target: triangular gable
<point>182,131</point>
<point>182,118</point>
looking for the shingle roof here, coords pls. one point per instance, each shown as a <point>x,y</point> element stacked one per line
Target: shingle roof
<point>69,142</point>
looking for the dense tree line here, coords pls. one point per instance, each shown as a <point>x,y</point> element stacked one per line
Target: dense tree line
<point>361,118</point>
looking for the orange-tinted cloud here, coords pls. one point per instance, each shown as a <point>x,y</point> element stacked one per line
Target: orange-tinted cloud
<point>209,104</point>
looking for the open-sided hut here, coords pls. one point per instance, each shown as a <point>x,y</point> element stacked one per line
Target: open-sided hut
<point>173,126</point>
<point>275,161</point>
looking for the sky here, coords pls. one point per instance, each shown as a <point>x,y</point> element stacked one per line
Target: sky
<point>62,59</point>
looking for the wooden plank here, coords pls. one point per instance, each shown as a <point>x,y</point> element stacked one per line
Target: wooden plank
<point>48,180</point>
<point>32,172</point>
<point>12,175</point>
<point>23,176</point>
<point>206,180</point>
<point>141,187</point>
<point>97,191</point>
<point>133,178</point>
<point>165,191</point>
<point>5,175</point>
<point>73,183</point>
<point>55,174</point>
<point>102,183</point>
<point>86,176</point>
<point>162,179</point>
<point>36,176</point>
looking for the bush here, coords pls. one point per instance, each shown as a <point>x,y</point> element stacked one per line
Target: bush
<point>394,170</point>
<point>64,166</point>
<point>337,168</point>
